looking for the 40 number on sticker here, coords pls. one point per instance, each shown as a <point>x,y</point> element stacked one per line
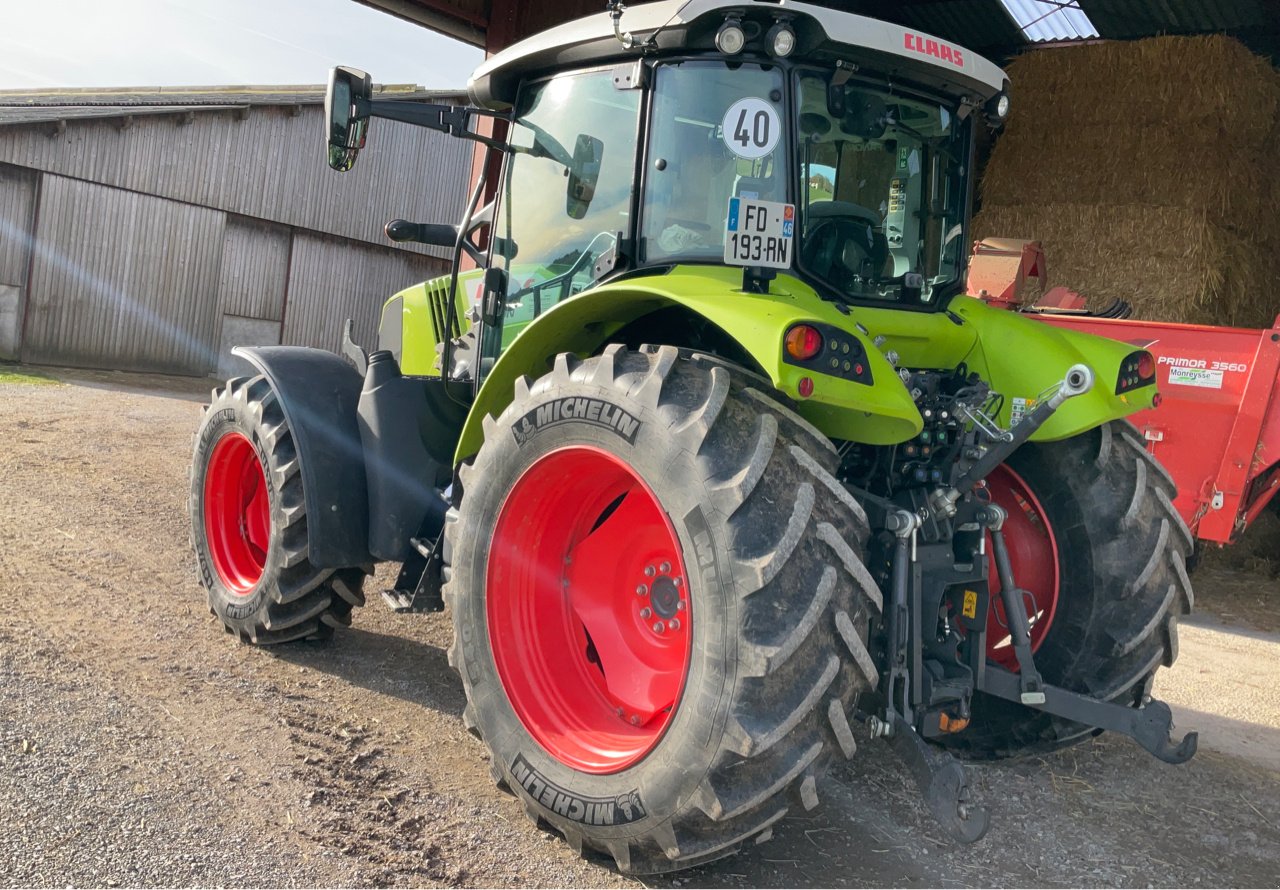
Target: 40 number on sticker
<point>751,128</point>
<point>759,233</point>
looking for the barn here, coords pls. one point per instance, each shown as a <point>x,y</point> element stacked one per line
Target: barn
<point>152,230</point>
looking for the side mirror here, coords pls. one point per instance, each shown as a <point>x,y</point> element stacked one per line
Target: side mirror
<point>346,115</point>
<point>584,173</point>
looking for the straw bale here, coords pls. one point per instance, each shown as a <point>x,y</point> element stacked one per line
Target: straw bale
<point>1179,84</point>
<point>1151,172</point>
<point>1175,121</point>
<point>1104,165</point>
<point>1170,264</point>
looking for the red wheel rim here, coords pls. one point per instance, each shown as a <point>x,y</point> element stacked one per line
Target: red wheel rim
<point>237,513</point>
<point>588,610</point>
<point>1033,556</point>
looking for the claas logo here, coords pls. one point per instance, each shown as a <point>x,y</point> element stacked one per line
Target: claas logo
<point>930,47</point>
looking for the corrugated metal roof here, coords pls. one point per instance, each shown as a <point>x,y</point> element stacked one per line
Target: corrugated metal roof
<point>269,165</point>
<point>980,25</point>
<point>34,114</point>
<point>1125,19</point>
<point>31,106</point>
<point>1045,20</point>
<point>976,24</point>
<point>987,26</point>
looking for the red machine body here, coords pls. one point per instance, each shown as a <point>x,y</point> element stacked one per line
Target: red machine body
<point>1217,429</point>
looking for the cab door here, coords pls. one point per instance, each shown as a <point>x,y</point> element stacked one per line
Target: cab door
<point>566,198</point>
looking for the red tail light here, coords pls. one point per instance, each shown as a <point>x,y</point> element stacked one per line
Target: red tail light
<point>803,342</point>
<point>1138,369</point>
<point>1146,365</point>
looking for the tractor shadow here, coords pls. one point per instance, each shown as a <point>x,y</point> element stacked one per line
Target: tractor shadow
<point>394,665</point>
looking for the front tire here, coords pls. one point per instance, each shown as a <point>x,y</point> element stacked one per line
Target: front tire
<point>643,488</point>
<point>1115,585</point>
<point>249,524</point>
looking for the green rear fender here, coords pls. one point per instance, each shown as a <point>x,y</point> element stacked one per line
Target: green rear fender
<point>1024,359</point>
<point>880,413</point>
<point>1021,358</point>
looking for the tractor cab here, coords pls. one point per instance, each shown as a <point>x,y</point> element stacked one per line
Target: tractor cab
<point>793,167</point>
<point>864,135</point>
<point>776,138</point>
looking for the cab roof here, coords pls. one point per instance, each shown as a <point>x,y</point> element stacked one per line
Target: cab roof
<point>671,27</point>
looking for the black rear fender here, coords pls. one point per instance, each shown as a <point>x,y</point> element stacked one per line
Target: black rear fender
<point>319,393</point>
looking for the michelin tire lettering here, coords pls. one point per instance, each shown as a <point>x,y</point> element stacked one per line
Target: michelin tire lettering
<point>620,810</point>
<point>593,411</point>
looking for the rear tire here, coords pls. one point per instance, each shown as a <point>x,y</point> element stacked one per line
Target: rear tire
<point>766,546</point>
<point>1123,551</point>
<point>249,524</point>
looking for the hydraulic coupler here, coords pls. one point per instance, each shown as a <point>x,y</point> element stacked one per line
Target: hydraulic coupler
<point>1079,380</point>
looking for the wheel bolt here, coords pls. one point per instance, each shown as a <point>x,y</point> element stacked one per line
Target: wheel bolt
<point>665,568</point>
<point>641,590</point>
<point>679,605</point>
<point>674,623</point>
<point>646,613</point>
<point>658,627</point>
<point>618,711</point>
<point>635,720</point>
<point>650,571</point>
<point>677,581</point>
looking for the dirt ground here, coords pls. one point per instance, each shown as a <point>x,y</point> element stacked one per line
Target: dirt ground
<point>139,745</point>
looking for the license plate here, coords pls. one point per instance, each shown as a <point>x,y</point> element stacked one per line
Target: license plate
<point>759,233</point>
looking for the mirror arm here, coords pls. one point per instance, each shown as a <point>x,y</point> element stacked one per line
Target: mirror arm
<point>451,119</point>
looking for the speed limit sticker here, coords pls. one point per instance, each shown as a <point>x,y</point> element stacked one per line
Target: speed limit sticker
<point>751,128</point>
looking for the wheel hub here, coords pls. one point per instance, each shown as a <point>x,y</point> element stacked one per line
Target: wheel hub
<point>665,596</point>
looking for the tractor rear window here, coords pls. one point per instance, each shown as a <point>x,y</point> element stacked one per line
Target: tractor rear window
<point>883,190</point>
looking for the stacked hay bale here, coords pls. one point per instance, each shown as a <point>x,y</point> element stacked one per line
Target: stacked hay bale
<point>1149,170</point>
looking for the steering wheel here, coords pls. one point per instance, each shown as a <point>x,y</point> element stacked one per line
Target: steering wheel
<point>842,249</point>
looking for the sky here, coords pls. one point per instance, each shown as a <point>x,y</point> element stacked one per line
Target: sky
<point>115,43</point>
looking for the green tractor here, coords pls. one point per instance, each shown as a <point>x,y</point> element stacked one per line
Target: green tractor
<point>715,465</point>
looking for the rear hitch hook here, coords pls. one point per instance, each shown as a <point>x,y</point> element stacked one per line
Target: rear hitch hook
<point>1152,726</point>
<point>943,782</point>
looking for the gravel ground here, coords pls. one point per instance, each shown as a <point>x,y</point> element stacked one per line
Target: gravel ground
<point>92,795</point>
<point>139,746</point>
